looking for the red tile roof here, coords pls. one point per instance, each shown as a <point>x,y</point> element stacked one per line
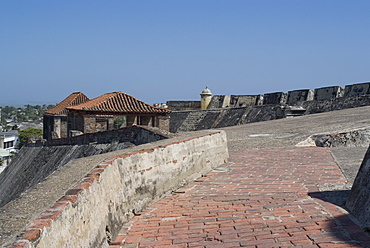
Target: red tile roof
<point>120,103</point>
<point>73,99</point>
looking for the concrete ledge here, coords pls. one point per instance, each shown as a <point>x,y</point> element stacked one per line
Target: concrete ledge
<point>92,211</point>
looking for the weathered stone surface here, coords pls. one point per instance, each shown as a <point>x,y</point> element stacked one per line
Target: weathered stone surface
<point>209,119</point>
<point>34,164</point>
<point>357,90</point>
<point>299,96</point>
<point>352,138</point>
<point>231,117</point>
<point>183,105</point>
<point>320,106</point>
<point>358,201</point>
<point>327,93</point>
<point>263,113</point>
<point>128,182</point>
<point>237,101</point>
<point>177,119</point>
<point>275,98</point>
<point>219,101</point>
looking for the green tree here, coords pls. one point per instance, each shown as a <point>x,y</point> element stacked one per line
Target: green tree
<point>25,133</point>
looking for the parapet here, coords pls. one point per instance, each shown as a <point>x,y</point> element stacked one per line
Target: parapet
<point>357,90</point>
<point>237,101</point>
<point>296,96</point>
<point>219,101</point>
<point>275,98</point>
<point>105,191</point>
<point>327,93</point>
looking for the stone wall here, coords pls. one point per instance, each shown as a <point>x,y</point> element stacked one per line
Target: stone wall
<point>134,134</point>
<point>94,209</point>
<point>357,90</point>
<point>237,101</point>
<point>320,106</point>
<point>327,93</point>
<point>358,201</point>
<point>33,164</point>
<point>241,109</point>
<point>184,121</point>
<point>296,96</point>
<point>183,105</point>
<point>219,101</point>
<point>275,98</point>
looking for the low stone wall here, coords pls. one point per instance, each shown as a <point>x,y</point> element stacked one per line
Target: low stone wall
<point>134,134</point>
<point>358,201</point>
<point>92,212</point>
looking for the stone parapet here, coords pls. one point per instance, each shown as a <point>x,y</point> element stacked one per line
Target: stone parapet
<point>357,90</point>
<point>92,211</point>
<point>327,93</point>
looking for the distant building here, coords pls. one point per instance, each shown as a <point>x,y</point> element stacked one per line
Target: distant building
<point>89,116</point>
<point>56,119</point>
<point>8,144</point>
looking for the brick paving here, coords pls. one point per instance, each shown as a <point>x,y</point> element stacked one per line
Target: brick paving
<point>261,198</point>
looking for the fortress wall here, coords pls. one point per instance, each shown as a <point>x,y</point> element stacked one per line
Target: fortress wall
<point>205,119</point>
<point>296,96</point>
<point>357,90</point>
<point>237,101</point>
<point>183,105</point>
<point>275,98</point>
<point>320,106</point>
<point>33,164</point>
<point>135,134</point>
<point>219,101</point>
<point>327,93</point>
<point>358,201</point>
<point>270,106</point>
<point>93,211</point>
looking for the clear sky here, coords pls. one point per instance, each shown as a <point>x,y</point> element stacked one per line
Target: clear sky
<point>170,50</point>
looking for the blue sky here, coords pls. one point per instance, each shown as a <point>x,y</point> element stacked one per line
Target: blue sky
<point>170,50</point>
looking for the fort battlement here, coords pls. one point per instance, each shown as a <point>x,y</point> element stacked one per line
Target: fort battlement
<point>234,110</point>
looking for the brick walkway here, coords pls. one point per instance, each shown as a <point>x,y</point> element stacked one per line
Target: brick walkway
<point>269,198</point>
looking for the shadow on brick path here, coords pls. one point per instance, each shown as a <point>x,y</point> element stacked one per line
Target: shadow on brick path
<point>343,225</point>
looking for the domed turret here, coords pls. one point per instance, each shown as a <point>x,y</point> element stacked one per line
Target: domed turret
<point>205,98</point>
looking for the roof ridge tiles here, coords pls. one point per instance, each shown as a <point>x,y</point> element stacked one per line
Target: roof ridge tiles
<point>73,99</point>
<point>118,102</point>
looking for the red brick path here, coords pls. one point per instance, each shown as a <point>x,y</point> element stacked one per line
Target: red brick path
<point>269,198</point>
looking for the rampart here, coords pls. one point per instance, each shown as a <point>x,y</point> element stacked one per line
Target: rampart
<point>135,134</point>
<point>33,164</point>
<point>233,110</point>
<point>96,195</point>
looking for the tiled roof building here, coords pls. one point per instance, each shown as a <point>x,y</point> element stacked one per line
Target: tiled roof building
<point>78,114</point>
<point>55,119</point>
<point>118,103</point>
<point>73,99</point>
